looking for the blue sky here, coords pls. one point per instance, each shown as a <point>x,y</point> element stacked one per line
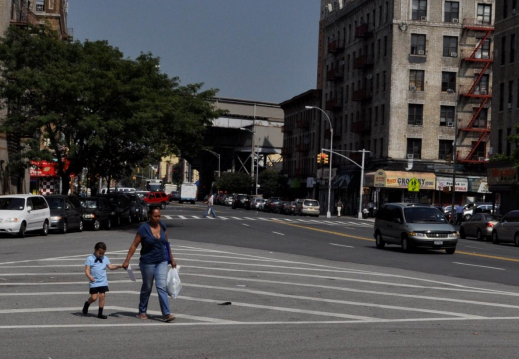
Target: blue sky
<point>262,50</point>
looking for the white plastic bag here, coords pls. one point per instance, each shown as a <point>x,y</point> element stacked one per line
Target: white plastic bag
<point>173,284</point>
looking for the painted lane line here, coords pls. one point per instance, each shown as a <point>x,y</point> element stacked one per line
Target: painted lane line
<point>473,247</point>
<point>167,217</point>
<point>281,234</point>
<point>340,245</point>
<point>474,265</point>
<point>237,218</point>
<point>250,219</point>
<point>338,301</point>
<point>196,217</point>
<point>182,217</point>
<point>246,225</point>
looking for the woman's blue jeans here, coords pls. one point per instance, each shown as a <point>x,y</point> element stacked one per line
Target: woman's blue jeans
<point>149,272</point>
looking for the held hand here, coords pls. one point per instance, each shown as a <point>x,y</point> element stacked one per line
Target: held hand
<point>92,279</point>
<point>173,263</point>
<point>125,265</point>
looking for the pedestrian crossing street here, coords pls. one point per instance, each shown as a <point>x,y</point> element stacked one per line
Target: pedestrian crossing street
<point>337,222</point>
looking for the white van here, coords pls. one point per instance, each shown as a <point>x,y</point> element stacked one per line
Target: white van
<point>21,213</point>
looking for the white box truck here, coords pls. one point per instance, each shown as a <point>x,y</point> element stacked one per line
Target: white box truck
<point>188,192</point>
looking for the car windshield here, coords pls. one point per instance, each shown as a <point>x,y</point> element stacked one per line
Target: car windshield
<point>492,217</point>
<point>89,204</point>
<point>311,203</point>
<point>424,215</point>
<point>55,203</point>
<point>16,204</point>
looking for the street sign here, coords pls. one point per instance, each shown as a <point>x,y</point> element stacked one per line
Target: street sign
<point>414,185</point>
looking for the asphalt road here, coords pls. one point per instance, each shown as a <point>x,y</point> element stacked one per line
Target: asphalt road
<point>257,285</point>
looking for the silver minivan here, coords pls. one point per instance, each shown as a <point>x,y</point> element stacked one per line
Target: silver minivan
<point>21,213</point>
<point>414,226</point>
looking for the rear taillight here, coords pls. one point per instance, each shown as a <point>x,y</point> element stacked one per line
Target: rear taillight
<point>490,224</point>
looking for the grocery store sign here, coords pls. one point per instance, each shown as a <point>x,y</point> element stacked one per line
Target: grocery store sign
<point>399,179</point>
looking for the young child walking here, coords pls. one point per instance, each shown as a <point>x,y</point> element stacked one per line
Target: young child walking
<point>95,270</point>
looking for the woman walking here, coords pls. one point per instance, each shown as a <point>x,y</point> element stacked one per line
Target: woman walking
<point>152,236</point>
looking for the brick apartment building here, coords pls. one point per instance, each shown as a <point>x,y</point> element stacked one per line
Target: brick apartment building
<point>502,176</point>
<point>395,77</point>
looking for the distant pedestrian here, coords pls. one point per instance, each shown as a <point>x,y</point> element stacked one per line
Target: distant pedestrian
<point>371,207</point>
<point>459,214</point>
<point>210,209</point>
<point>95,270</point>
<point>339,206</point>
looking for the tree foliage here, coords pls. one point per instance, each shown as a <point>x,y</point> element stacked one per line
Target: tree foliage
<point>234,182</point>
<point>95,108</point>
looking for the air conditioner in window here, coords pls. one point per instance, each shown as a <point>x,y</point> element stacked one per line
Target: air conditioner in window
<point>454,54</point>
<point>455,20</point>
<point>421,52</point>
<point>423,18</point>
<point>412,88</point>
<point>509,106</point>
<point>418,122</point>
<point>481,158</point>
<point>450,124</point>
<point>410,156</point>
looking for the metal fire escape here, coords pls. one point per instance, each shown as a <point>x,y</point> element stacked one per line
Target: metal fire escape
<point>479,94</point>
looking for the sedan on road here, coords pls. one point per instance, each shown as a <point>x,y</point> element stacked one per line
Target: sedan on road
<point>97,212</point>
<point>66,213</point>
<point>507,229</point>
<point>241,201</point>
<point>479,225</point>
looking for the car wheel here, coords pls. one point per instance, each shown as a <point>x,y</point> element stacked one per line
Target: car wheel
<point>81,226</point>
<point>64,229</point>
<point>516,240</point>
<point>450,250</point>
<point>96,225</point>
<point>466,217</point>
<point>23,229</point>
<point>495,238</point>
<point>45,229</point>
<point>479,235</point>
<point>163,205</point>
<point>462,233</point>
<point>379,241</point>
<point>406,246</point>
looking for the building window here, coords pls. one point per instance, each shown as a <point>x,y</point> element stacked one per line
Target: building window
<point>450,46</point>
<point>417,44</point>
<point>484,50</point>
<point>484,15</point>
<point>376,116</point>
<point>381,147</point>
<point>51,4</point>
<point>377,82</point>
<point>508,142</point>
<point>448,81</point>
<point>500,141</point>
<point>445,150</point>
<point>416,80</point>
<point>385,46</point>
<point>505,9</point>
<point>382,114</point>
<point>40,5</point>
<point>451,11</point>
<point>481,120</point>
<point>503,50</point>
<point>419,9</point>
<point>512,48</point>
<point>384,81</point>
<point>447,115</point>
<point>501,96</point>
<point>414,148</point>
<point>481,87</point>
<point>510,94</point>
<point>415,115</point>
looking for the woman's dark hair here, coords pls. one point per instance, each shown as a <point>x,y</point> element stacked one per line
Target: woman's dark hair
<point>100,245</point>
<point>152,209</point>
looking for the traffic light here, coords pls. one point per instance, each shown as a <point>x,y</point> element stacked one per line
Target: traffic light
<point>325,158</point>
<point>319,158</point>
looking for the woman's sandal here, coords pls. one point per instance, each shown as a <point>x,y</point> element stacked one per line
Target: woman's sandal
<point>142,316</point>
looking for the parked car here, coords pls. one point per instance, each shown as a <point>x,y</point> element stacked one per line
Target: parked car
<point>96,212</point>
<point>139,209</point>
<point>257,203</point>
<point>156,199</point>
<point>219,198</point>
<point>22,213</point>
<point>289,207</point>
<point>479,225</point>
<point>507,229</point>
<point>174,196</point>
<point>471,208</point>
<point>121,208</point>
<point>228,200</point>
<point>271,203</point>
<point>308,207</point>
<point>241,201</point>
<point>66,213</point>
<point>414,226</point>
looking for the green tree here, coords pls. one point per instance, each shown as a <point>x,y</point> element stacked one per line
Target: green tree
<point>95,108</point>
<point>234,182</point>
<point>269,181</point>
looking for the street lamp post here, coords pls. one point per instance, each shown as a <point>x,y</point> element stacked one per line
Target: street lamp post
<point>328,213</point>
<point>454,156</point>
<point>251,154</point>
<point>218,156</point>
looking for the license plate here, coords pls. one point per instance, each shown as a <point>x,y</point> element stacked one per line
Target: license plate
<point>438,243</point>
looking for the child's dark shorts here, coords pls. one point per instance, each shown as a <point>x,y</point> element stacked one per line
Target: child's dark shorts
<point>99,290</point>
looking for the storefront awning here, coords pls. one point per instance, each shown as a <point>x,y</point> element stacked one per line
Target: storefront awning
<point>462,184</point>
<point>45,168</point>
<point>400,179</point>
